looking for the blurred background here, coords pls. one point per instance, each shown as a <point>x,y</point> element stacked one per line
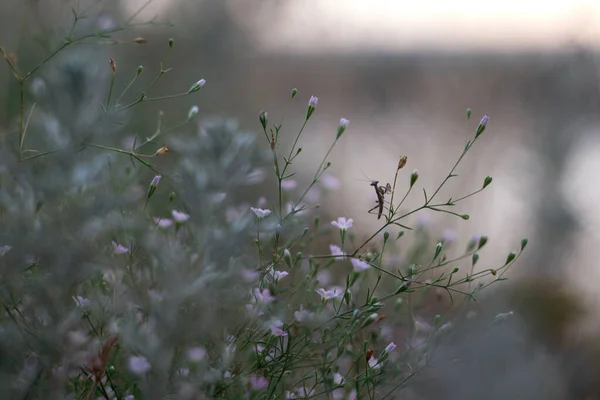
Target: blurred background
<point>403,73</point>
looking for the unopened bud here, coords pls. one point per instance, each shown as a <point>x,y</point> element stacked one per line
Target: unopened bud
<point>171,197</point>
<point>413,177</point>
<point>193,111</point>
<point>263,119</point>
<point>511,256</point>
<point>402,162</point>
<point>482,125</point>
<point>465,216</point>
<point>341,127</point>
<point>468,113</point>
<point>196,86</point>
<point>294,92</point>
<point>140,69</point>
<point>523,243</point>
<point>475,258</point>
<point>163,150</point>
<point>140,40</point>
<point>482,241</point>
<point>312,105</point>
<point>438,250</point>
<point>487,181</point>
<point>171,43</point>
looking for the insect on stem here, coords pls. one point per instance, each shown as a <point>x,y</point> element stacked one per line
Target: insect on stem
<point>380,191</point>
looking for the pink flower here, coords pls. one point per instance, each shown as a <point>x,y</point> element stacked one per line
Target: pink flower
<point>258,382</point>
<point>263,296</point>
<point>330,294</point>
<point>390,347</point>
<point>163,222</point>
<point>342,223</point>
<point>196,354</point>
<point>359,265</point>
<point>119,249</point>
<point>139,365</point>
<point>179,216</point>
<point>336,251</point>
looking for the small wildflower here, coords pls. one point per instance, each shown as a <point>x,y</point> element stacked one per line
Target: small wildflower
<point>330,182</point>
<point>289,184</point>
<point>196,86</point>
<point>156,180</point>
<point>163,222</point>
<point>276,328</point>
<point>359,265</point>
<point>278,275</point>
<point>119,249</point>
<point>264,119</point>
<point>337,378</point>
<point>337,251</point>
<point>129,397</point>
<point>390,347</point>
<point>140,40</point>
<point>342,127</point>
<point>374,363</point>
<point>258,382</point>
<point>193,112</point>
<point>263,296</point>
<point>196,354</point>
<point>139,365</point>
<point>302,314</point>
<point>260,213</point>
<point>250,275</point>
<point>179,216</point>
<point>329,294</point>
<point>82,301</point>
<point>153,185</point>
<point>343,223</point>
<point>5,249</point>
<point>312,105</point>
<point>482,124</point>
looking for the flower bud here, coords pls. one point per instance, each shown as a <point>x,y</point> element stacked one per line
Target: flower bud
<point>523,243</point>
<point>263,119</point>
<point>482,125</point>
<point>401,162</point>
<point>196,86</point>
<point>511,256</point>
<point>474,259</point>
<point>438,250</point>
<point>294,92</point>
<point>413,177</point>
<point>341,127</point>
<point>468,113</point>
<point>193,111</point>
<point>487,181</point>
<point>482,241</point>
<point>140,69</point>
<point>312,105</point>
<point>465,216</point>
<point>140,40</point>
<point>171,43</point>
<point>369,320</point>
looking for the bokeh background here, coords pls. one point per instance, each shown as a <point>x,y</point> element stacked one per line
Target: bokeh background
<point>403,72</point>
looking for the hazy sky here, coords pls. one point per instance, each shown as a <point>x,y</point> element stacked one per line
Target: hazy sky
<point>401,25</point>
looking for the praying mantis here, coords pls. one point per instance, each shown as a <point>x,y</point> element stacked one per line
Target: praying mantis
<point>380,191</point>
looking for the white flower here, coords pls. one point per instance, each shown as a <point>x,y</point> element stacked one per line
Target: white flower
<point>344,123</point>
<point>374,363</point>
<point>196,86</point>
<point>82,301</point>
<point>263,296</point>
<point>196,354</point>
<point>275,327</point>
<point>343,223</point>
<point>330,182</point>
<point>359,265</point>
<point>289,184</point>
<point>390,347</point>
<point>337,378</point>
<point>260,213</point>
<point>179,216</point>
<point>163,222</point>
<point>277,275</point>
<point>336,251</point>
<point>4,249</point>
<point>314,100</point>
<point>192,112</point>
<point>302,314</point>
<point>330,294</point>
<point>139,365</point>
<point>119,249</point>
